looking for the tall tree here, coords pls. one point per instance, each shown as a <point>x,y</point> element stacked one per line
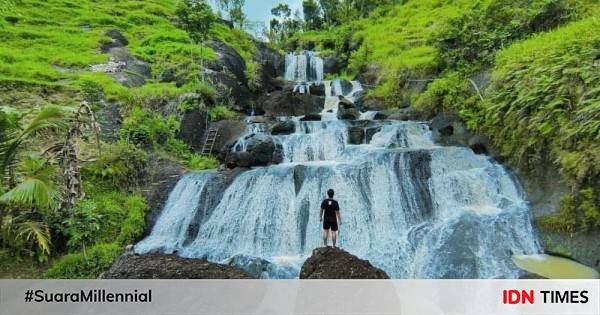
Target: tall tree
<point>236,13</point>
<point>312,14</point>
<point>197,18</point>
<point>234,10</point>
<point>330,11</point>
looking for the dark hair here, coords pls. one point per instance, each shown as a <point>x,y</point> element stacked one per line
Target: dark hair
<point>330,193</point>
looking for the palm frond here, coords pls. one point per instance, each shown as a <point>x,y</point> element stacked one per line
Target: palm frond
<point>37,232</point>
<point>33,191</point>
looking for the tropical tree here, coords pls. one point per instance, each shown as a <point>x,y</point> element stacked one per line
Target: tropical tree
<point>14,136</point>
<point>196,18</point>
<point>312,14</point>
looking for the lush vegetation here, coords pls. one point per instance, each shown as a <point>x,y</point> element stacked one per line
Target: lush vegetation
<point>523,72</point>
<point>71,197</point>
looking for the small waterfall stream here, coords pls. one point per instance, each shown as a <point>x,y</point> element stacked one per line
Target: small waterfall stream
<point>409,206</point>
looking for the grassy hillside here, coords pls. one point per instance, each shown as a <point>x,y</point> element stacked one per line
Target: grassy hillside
<point>52,43</point>
<point>45,57</point>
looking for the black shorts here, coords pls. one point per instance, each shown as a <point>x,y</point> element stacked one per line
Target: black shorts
<point>330,224</point>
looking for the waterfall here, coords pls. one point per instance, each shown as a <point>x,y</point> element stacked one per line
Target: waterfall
<point>409,206</point>
<point>305,67</point>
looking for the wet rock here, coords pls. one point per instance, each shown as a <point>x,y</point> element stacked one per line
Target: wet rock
<point>333,64</point>
<point>370,103</point>
<point>332,263</point>
<point>283,128</point>
<point>380,116</point>
<point>254,266</point>
<point>479,144</point>
<point>317,89</point>
<point>299,177</point>
<point>347,110</point>
<point>448,129</point>
<point>228,60</point>
<point>287,103</point>
<point>228,131</point>
<point>341,87</point>
<point>161,266</point>
<point>356,135</point>
<point>118,40</point>
<point>163,175</point>
<point>404,114</point>
<point>311,117</point>
<point>261,150</point>
<point>369,132</point>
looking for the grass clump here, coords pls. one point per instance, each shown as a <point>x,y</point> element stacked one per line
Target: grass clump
<point>88,265</point>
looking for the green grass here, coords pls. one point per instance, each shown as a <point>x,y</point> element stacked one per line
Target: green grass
<point>52,43</point>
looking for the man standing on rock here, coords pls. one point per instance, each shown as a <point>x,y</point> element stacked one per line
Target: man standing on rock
<point>330,216</point>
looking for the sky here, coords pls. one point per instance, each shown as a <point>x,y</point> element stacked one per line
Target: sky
<point>260,10</point>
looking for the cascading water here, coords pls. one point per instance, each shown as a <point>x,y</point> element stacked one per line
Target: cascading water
<point>412,208</point>
<point>409,206</point>
<point>304,67</point>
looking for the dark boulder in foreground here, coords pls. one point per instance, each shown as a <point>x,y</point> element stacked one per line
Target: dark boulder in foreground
<point>334,263</point>
<point>161,266</point>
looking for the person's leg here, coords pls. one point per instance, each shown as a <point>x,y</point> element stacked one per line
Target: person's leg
<point>334,237</point>
<point>325,237</point>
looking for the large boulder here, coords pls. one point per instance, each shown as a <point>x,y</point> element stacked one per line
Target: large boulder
<point>286,103</point>
<point>228,61</point>
<point>133,72</point>
<point>347,110</point>
<point>261,150</point>
<point>333,64</point>
<point>161,266</point>
<point>333,263</point>
<point>228,131</point>
<point>285,127</point>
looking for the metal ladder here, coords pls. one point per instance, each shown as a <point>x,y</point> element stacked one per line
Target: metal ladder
<point>209,143</point>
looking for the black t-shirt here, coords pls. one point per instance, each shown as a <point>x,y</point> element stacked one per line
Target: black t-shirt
<point>330,206</point>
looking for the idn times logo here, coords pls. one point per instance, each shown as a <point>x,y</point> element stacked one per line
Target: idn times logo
<point>513,296</point>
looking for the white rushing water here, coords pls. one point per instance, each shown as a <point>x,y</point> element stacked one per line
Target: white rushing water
<point>306,66</point>
<point>412,208</point>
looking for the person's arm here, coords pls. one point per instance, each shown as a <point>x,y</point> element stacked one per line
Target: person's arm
<point>339,216</point>
<point>321,215</point>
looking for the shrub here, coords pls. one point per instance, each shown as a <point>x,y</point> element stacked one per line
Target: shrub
<point>147,130</point>
<point>119,165</point>
<point>475,36</point>
<point>220,112</point>
<point>88,265</point>
<point>134,223</point>
<point>198,162</point>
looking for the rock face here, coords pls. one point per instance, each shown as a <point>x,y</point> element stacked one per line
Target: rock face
<point>260,151</point>
<point>332,263</point>
<point>287,103</point>
<point>228,60</point>
<point>135,72</point>
<point>271,65</point>
<point>162,177</point>
<point>161,266</point>
<point>193,128</point>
